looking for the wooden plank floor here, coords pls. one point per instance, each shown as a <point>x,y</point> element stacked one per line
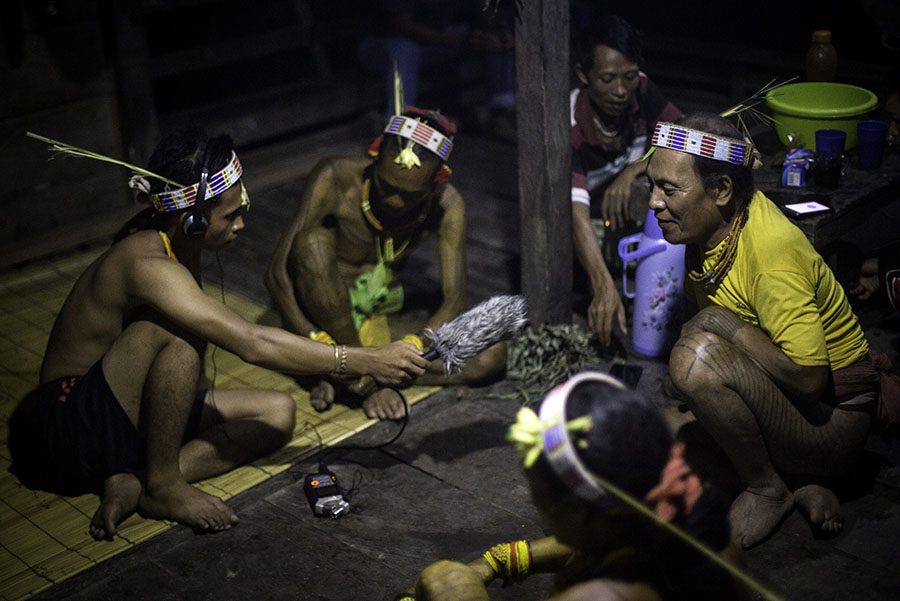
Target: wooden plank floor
<point>450,486</point>
<point>44,539</point>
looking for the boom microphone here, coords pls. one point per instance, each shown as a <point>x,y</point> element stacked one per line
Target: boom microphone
<point>486,324</point>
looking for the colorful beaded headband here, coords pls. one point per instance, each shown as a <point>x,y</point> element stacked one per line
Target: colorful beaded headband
<point>174,200</point>
<point>557,442</point>
<point>553,433</point>
<point>692,141</point>
<point>415,130</point>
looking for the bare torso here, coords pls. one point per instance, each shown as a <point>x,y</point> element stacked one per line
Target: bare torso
<point>356,239</point>
<point>330,242</point>
<point>98,307</point>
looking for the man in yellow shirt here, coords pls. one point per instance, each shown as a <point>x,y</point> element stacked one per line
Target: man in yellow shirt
<point>764,363</point>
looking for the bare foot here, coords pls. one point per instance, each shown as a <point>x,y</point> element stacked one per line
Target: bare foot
<point>321,396</point>
<point>757,512</point>
<point>384,404</point>
<point>121,493</point>
<point>188,505</point>
<point>821,506</point>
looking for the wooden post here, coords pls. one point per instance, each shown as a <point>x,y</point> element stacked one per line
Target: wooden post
<point>137,111</point>
<point>542,120</point>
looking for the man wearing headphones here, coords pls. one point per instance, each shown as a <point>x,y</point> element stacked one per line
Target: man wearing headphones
<point>331,274</point>
<point>121,408</point>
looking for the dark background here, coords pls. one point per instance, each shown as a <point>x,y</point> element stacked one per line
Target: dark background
<point>111,76</point>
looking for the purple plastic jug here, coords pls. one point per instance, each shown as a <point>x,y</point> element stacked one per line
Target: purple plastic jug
<point>658,288</point>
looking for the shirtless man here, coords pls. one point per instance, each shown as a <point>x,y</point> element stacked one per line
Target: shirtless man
<point>774,366</point>
<point>358,219</point>
<point>118,408</point>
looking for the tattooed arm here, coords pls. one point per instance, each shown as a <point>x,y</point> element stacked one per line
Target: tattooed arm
<point>302,276</point>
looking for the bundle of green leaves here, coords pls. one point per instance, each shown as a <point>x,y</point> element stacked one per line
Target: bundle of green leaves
<point>542,357</point>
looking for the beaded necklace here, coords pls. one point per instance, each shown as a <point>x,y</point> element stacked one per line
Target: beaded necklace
<point>608,134</point>
<point>725,257</point>
<point>168,244</point>
<point>387,254</point>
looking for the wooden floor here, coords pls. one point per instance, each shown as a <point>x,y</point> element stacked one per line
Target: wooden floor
<point>450,486</point>
<point>43,541</point>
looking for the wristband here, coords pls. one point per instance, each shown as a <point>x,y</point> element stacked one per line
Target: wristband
<point>321,336</point>
<point>337,359</point>
<point>343,367</point>
<point>510,561</point>
<point>414,340</point>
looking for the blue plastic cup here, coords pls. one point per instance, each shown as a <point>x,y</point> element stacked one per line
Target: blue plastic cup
<point>830,142</point>
<point>872,135</point>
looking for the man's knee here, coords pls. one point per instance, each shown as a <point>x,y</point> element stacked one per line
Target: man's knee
<point>712,319</point>
<point>280,414</point>
<point>155,337</point>
<point>143,349</point>
<point>691,366</point>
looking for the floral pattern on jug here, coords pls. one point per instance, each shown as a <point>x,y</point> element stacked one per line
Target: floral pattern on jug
<point>664,302</point>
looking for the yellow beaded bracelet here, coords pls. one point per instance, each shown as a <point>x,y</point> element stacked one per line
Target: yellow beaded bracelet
<point>321,336</point>
<point>510,561</point>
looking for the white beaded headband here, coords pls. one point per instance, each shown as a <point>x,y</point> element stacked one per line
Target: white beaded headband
<point>415,130</point>
<point>558,447</point>
<point>692,141</point>
<point>174,200</point>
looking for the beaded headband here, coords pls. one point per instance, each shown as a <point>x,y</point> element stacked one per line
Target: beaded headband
<point>564,461</point>
<point>174,200</point>
<point>416,131</point>
<point>692,141</point>
<point>558,447</point>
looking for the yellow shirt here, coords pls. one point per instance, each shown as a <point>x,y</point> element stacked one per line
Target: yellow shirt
<point>781,284</point>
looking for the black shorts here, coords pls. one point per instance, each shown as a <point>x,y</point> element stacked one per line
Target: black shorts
<point>69,435</point>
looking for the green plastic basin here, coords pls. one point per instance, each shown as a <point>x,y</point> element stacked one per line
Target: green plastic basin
<point>802,108</point>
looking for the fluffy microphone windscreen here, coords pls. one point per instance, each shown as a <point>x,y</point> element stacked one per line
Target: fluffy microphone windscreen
<point>457,341</point>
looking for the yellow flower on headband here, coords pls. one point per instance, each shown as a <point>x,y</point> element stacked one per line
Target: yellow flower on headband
<point>407,158</point>
<point>527,434</point>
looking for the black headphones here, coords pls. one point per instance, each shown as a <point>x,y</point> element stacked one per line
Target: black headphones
<point>195,222</point>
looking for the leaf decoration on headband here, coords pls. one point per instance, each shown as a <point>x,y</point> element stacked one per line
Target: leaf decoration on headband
<point>527,433</point>
<point>407,157</point>
<point>67,149</point>
<point>245,198</point>
<point>748,106</point>
<point>399,103</point>
<point>139,183</point>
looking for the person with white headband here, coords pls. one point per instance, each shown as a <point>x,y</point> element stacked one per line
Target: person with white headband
<point>774,364</point>
<point>123,408</point>
<point>334,272</point>
<point>629,517</point>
